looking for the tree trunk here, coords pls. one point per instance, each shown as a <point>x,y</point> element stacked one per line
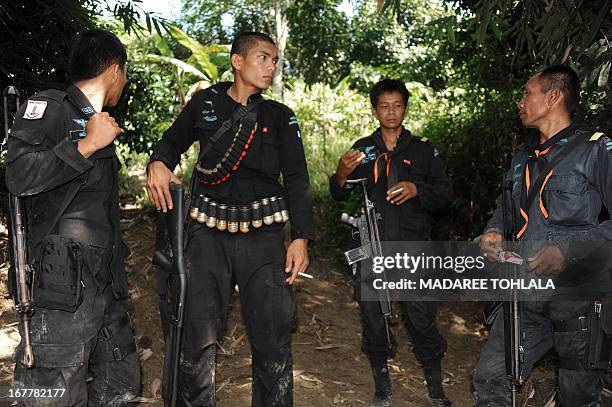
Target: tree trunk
<point>281,35</point>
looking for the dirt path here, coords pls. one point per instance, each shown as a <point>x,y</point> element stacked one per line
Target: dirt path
<point>329,368</point>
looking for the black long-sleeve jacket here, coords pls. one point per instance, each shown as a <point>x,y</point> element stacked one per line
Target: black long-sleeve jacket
<point>570,201</point>
<point>414,160</point>
<point>275,149</point>
<point>41,164</point>
<point>567,208</point>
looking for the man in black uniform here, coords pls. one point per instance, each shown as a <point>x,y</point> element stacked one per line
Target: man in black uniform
<point>406,181</point>
<point>237,188</point>
<point>566,210</point>
<point>61,160</point>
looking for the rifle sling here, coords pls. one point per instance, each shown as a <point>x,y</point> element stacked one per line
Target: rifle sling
<point>548,168</point>
<point>238,115</point>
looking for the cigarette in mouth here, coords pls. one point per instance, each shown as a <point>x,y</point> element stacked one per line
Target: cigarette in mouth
<point>305,275</point>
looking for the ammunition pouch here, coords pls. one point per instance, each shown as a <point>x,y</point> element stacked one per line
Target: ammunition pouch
<point>233,217</point>
<point>58,274</point>
<point>598,326</point>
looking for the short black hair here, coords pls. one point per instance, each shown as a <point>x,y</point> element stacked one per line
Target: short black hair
<point>388,85</point>
<point>92,52</point>
<point>565,79</point>
<point>243,42</point>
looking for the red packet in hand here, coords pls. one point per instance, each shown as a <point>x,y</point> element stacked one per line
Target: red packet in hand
<point>510,257</point>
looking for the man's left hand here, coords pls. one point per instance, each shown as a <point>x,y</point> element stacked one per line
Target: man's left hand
<point>548,261</point>
<point>401,192</point>
<point>297,259</point>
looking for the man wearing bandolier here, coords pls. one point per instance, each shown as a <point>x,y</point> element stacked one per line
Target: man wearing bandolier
<point>61,161</point>
<point>237,213</point>
<point>566,210</point>
<point>406,181</point>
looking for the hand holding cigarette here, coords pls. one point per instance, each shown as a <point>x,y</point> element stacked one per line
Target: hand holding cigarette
<point>401,192</point>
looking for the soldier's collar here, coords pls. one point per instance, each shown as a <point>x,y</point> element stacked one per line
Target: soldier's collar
<point>223,88</point>
<point>402,141</point>
<point>80,101</point>
<point>566,133</point>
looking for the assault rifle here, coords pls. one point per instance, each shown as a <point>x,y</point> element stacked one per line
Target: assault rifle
<point>174,291</point>
<point>366,224</point>
<point>513,336</point>
<point>20,267</point>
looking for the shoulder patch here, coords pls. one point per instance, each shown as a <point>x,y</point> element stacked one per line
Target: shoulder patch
<point>596,136</point>
<point>424,139</point>
<point>35,109</point>
<point>208,112</point>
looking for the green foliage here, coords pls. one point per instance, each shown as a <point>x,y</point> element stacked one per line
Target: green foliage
<point>199,53</point>
<point>37,34</point>
<point>36,59</point>
<point>331,120</point>
<point>464,63</point>
<point>159,83</point>
<point>204,18</point>
<point>475,132</point>
<point>148,104</point>
<point>319,40</point>
<point>539,33</point>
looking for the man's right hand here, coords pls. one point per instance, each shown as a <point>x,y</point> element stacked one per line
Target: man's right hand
<point>159,178</point>
<point>102,129</point>
<point>347,164</point>
<point>490,245</point>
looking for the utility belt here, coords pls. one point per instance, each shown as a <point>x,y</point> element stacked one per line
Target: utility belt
<point>597,324</point>
<point>223,216</point>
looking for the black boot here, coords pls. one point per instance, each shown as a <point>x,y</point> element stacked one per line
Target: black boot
<point>433,376</point>
<point>380,371</point>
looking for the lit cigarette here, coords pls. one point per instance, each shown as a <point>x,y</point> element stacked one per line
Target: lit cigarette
<point>305,275</point>
<point>397,191</point>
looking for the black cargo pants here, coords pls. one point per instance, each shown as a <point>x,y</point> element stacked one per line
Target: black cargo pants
<point>96,337</point>
<point>419,319</point>
<point>257,261</point>
<point>577,387</point>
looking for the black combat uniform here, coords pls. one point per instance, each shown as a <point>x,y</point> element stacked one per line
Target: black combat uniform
<point>414,160</point>
<point>565,213</point>
<point>255,259</point>
<point>83,264</point>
